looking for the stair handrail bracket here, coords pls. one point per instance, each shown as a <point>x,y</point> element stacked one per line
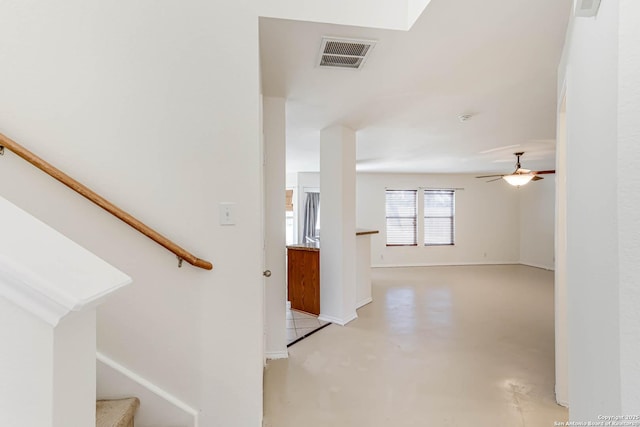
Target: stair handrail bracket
<point>86,192</point>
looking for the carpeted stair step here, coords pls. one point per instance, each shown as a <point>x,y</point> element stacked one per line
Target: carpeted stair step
<point>116,413</point>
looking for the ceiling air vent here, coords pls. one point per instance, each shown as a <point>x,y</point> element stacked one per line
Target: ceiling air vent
<point>344,53</point>
<point>587,7</point>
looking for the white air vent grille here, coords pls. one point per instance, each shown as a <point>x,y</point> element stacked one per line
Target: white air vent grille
<point>344,53</point>
<point>587,7</point>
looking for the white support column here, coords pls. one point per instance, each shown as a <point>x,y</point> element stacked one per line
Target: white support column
<point>275,291</point>
<point>49,290</point>
<point>337,225</point>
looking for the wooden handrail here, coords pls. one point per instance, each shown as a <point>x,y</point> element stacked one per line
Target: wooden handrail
<point>86,192</point>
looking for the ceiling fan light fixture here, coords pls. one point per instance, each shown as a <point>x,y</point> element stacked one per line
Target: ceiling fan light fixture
<point>518,179</point>
<point>520,176</point>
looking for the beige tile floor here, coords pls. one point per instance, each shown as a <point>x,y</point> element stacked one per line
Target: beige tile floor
<point>299,324</point>
<point>439,346</point>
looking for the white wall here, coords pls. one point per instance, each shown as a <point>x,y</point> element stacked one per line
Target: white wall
<point>628,203</point>
<point>560,277</point>
<point>522,219</point>
<point>275,239</point>
<point>589,72</point>
<point>487,220</point>
<point>537,223</point>
<point>133,99</point>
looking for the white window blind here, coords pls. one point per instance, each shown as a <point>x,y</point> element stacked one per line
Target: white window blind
<point>439,217</point>
<point>401,210</point>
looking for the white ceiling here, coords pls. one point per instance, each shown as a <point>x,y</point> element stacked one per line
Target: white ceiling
<point>494,59</point>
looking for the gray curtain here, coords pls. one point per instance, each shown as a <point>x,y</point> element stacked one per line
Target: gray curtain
<point>311,206</point>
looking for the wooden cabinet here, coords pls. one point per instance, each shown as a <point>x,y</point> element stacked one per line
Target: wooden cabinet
<point>303,278</point>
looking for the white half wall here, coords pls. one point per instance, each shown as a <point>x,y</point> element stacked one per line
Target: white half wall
<point>25,394</point>
<point>537,223</point>
<point>487,220</point>
<point>49,290</point>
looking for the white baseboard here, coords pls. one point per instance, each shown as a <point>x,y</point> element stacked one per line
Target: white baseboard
<point>364,302</point>
<point>146,386</point>
<point>273,355</point>
<point>561,400</point>
<point>454,264</point>
<point>443,264</point>
<point>336,320</point>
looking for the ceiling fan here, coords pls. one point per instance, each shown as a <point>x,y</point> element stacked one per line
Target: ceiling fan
<point>520,176</point>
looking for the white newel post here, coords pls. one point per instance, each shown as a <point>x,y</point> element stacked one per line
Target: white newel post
<point>49,290</point>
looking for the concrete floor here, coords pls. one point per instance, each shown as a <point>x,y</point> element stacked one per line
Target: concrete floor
<point>439,346</point>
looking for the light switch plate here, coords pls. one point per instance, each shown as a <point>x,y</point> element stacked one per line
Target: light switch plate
<point>227,213</point>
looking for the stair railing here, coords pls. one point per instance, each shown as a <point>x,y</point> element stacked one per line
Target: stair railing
<point>89,194</point>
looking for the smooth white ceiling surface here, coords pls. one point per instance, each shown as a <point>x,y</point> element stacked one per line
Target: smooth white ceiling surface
<point>495,59</point>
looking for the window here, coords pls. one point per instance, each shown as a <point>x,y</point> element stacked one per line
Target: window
<point>288,204</point>
<point>439,221</point>
<point>311,225</point>
<point>401,210</point>
<point>289,216</point>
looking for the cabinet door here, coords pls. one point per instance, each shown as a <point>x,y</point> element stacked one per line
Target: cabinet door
<point>304,280</point>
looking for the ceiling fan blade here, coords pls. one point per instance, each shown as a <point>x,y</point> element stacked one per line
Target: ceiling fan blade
<point>536,178</point>
<point>544,172</point>
<point>490,176</point>
<point>497,179</point>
